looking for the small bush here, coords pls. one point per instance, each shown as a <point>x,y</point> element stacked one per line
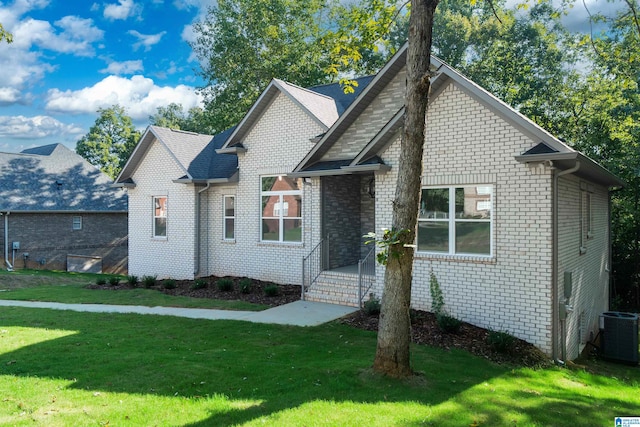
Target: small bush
<point>169,284</point>
<point>225,285</point>
<point>271,290</point>
<point>101,281</point>
<point>114,281</point>
<point>132,280</point>
<point>499,341</point>
<point>372,306</point>
<point>148,281</point>
<point>199,284</point>
<point>245,286</point>
<point>448,324</point>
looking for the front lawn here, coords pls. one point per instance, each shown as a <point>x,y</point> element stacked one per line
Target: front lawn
<point>64,368</point>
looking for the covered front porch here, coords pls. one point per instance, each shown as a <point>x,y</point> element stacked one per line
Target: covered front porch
<point>341,268</point>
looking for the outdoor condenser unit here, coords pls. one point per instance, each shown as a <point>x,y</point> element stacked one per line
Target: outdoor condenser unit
<point>619,337</point>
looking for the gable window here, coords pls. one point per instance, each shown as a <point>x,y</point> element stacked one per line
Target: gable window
<point>456,220</point>
<point>229,217</point>
<point>76,223</point>
<point>281,213</point>
<point>160,216</point>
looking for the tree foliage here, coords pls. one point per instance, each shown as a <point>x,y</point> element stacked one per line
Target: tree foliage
<point>110,140</point>
<point>173,116</point>
<point>5,35</point>
<point>243,44</point>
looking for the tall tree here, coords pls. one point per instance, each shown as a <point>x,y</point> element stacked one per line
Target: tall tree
<point>110,140</point>
<point>243,44</point>
<point>394,331</point>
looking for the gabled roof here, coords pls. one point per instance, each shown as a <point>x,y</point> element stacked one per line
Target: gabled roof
<point>444,75</point>
<point>322,103</point>
<point>53,178</point>
<point>194,153</point>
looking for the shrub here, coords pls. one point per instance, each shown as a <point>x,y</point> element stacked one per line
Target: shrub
<point>101,281</point>
<point>372,306</point>
<point>199,284</point>
<point>148,281</point>
<point>437,299</point>
<point>271,290</point>
<point>169,284</point>
<point>500,341</point>
<point>245,286</point>
<point>114,281</point>
<point>132,280</point>
<point>448,324</point>
<point>225,285</point>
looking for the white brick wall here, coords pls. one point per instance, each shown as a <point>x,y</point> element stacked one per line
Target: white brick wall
<point>467,143</point>
<point>166,258</point>
<point>590,278</point>
<point>275,145</point>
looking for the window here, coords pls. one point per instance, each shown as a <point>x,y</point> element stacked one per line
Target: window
<point>77,223</point>
<point>281,213</point>
<point>229,217</point>
<point>586,217</point>
<point>456,220</point>
<point>160,216</point>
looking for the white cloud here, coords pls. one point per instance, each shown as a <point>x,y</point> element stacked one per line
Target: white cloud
<point>124,67</point>
<point>21,127</point>
<point>139,95</point>
<point>9,95</point>
<point>123,10</point>
<point>146,40</point>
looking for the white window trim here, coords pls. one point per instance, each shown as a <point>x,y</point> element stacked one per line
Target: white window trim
<point>281,217</point>
<point>153,217</point>
<point>225,217</point>
<point>452,220</point>
<point>76,226</point>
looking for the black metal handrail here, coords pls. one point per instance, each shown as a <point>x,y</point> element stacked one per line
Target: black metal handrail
<point>366,274</point>
<point>313,264</point>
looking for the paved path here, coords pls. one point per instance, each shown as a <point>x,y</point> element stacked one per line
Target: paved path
<point>298,313</point>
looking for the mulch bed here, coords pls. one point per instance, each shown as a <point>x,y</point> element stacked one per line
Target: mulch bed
<point>424,328</point>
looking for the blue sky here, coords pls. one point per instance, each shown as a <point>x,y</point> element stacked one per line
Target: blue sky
<point>71,57</point>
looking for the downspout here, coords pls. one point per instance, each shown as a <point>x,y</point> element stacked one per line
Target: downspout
<point>6,241</point>
<point>196,270</point>
<point>555,302</point>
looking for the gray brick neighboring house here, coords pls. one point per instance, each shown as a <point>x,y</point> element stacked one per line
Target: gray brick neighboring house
<point>513,222</point>
<point>56,207</point>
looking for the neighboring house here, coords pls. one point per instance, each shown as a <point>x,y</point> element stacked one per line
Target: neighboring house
<point>60,212</point>
<point>509,215</point>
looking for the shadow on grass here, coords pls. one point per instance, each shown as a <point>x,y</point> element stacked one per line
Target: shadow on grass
<point>287,368</point>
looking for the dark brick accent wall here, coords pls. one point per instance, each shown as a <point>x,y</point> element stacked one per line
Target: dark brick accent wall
<point>48,238</point>
<point>347,214</point>
<point>367,214</point>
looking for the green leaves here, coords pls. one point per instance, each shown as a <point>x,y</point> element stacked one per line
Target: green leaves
<point>110,140</point>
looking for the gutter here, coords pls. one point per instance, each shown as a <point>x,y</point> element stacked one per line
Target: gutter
<point>6,241</point>
<point>555,303</point>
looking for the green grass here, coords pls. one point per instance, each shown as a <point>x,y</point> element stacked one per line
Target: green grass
<point>53,286</point>
<point>64,368</point>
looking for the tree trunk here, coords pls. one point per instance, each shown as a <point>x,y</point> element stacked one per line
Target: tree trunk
<point>394,331</point>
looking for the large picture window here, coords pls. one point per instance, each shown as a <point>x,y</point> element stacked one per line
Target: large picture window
<point>160,216</point>
<point>229,217</point>
<point>281,213</point>
<point>456,220</point>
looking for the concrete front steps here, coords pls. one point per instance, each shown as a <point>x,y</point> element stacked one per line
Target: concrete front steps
<point>334,288</point>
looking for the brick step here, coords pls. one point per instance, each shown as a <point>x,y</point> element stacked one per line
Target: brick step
<point>348,300</point>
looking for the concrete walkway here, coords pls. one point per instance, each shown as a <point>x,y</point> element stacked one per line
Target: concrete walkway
<point>298,313</point>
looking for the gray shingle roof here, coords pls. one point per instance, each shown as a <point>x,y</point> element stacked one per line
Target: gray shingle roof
<point>54,178</point>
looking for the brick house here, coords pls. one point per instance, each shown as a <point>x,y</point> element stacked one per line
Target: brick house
<point>509,215</point>
<point>59,212</point>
